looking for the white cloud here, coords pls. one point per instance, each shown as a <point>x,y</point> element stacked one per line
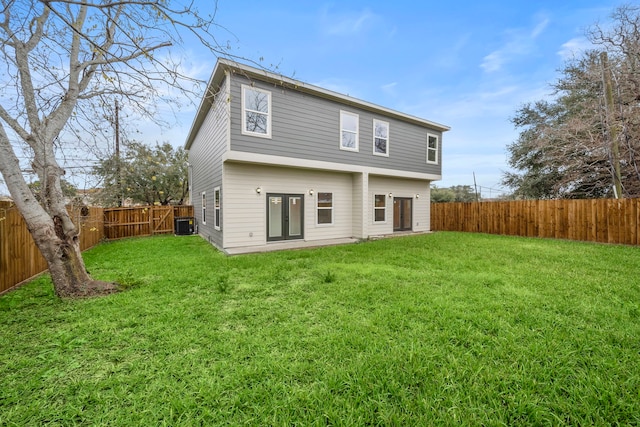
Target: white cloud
<point>574,47</point>
<point>521,42</point>
<point>345,24</point>
<point>390,88</point>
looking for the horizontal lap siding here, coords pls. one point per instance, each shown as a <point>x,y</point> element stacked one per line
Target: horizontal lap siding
<point>399,188</point>
<point>205,157</point>
<point>245,209</point>
<point>308,127</point>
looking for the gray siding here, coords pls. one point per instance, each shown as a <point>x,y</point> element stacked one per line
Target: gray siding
<point>205,158</point>
<point>308,127</point>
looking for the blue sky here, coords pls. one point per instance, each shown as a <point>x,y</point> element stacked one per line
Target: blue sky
<point>466,64</point>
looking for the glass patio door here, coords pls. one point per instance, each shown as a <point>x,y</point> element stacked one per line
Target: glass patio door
<point>402,210</point>
<point>285,216</point>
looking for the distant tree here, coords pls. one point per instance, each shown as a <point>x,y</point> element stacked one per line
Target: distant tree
<point>144,175</point>
<point>68,190</point>
<point>456,193</point>
<point>585,143</point>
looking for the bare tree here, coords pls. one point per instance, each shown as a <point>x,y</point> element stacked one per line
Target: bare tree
<point>62,62</point>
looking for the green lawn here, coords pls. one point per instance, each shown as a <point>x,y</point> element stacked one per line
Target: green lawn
<point>440,329</point>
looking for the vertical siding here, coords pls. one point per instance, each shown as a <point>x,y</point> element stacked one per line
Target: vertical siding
<point>245,210</point>
<point>308,127</point>
<point>399,188</point>
<point>205,158</point>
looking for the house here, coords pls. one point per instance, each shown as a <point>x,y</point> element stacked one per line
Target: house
<point>272,159</point>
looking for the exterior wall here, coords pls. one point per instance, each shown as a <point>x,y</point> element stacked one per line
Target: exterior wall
<point>308,127</point>
<point>245,211</point>
<point>205,159</point>
<point>400,188</point>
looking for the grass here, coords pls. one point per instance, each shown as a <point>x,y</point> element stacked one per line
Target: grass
<point>441,329</point>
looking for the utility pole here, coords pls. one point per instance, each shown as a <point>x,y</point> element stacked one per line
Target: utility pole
<point>118,177</point>
<point>610,125</point>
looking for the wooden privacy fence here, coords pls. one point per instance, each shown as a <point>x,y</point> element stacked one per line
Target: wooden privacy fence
<point>120,223</point>
<point>20,258</point>
<point>600,220</point>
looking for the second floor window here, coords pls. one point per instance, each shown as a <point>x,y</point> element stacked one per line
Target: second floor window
<point>256,112</point>
<point>380,138</point>
<point>348,131</point>
<point>432,149</point>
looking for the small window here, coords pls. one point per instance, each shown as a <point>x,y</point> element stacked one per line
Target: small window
<point>432,148</point>
<point>380,138</point>
<point>216,208</point>
<point>325,208</point>
<point>204,208</point>
<point>380,208</point>
<point>348,131</point>
<point>256,112</point>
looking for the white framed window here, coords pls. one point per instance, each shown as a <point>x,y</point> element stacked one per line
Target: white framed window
<point>432,148</point>
<point>256,112</point>
<point>216,208</point>
<point>349,127</point>
<point>324,207</point>
<point>204,207</point>
<point>380,138</point>
<point>380,208</point>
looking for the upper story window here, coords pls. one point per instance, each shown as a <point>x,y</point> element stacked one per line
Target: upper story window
<point>256,112</point>
<point>348,131</point>
<point>432,148</point>
<point>380,138</point>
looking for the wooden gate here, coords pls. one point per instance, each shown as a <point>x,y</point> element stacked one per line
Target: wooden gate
<point>162,219</point>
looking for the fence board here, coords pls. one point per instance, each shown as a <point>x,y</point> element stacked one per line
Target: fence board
<point>20,258</point>
<point>602,220</point>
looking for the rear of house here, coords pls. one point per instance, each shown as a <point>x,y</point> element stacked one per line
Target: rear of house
<point>277,160</point>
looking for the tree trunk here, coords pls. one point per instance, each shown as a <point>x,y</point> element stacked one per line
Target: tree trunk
<point>61,250</point>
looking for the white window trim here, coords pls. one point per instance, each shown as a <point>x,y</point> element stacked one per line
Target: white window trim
<point>216,209</point>
<point>203,205</point>
<point>328,224</point>
<point>431,149</point>
<point>374,138</point>
<point>356,149</point>
<point>384,208</point>
<point>244,114</point>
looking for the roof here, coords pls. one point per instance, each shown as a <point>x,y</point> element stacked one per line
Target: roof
<point>225,65</point>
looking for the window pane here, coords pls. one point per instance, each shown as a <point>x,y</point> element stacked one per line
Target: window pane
<point>325,200</point>
<point>324,216</point>
<point>275,216</point>
<point>295,216</point>
<point>217,219</point>
<point>256,122</point>
<point>256,101</point>
<point>381,130</point>
<point>433,142</point>
<point>431,155</point>
<point>349,122</point>
<point>348,139</point>
<point>380,200</point>
<point>216,197</point>
<point>379,214</point>
<point>381,145</point>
